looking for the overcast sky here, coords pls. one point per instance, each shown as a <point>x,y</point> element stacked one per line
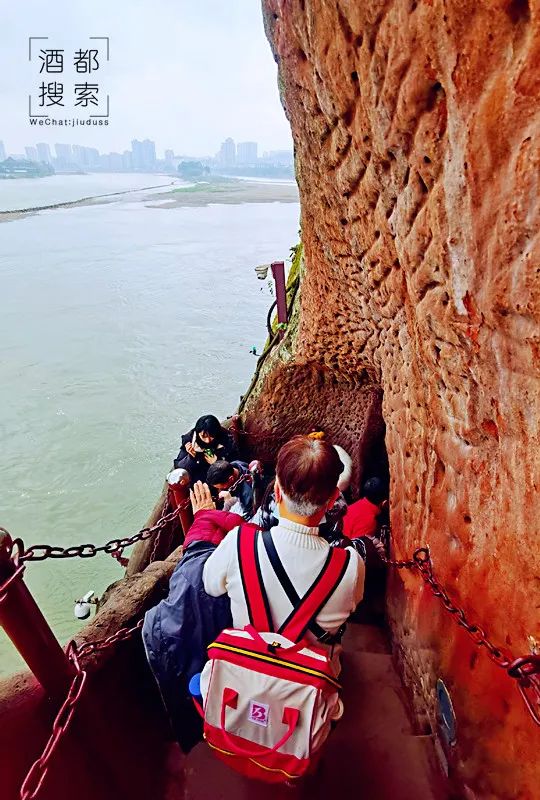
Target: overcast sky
<point>186,73</point>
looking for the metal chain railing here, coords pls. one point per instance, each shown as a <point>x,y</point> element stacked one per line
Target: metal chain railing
<point>525,670</point>
<point>76,653</point>
<point>39,769</point>
<point>114,547</point>
<point>247,478</point>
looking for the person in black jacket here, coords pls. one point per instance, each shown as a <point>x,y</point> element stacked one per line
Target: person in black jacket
<point>177,631</point>
<point>203,445</point>
<point>234,483</point>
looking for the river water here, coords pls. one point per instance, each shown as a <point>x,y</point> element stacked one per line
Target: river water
<point>120,325</point>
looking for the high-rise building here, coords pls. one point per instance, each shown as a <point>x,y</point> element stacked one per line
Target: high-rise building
<point>246,153</point>
<point>31,153</point>
<point>136,151</point>
<point>44,152</point>
<point>115,162</point>
<point>144,154</point>
<point>87,157</point>
<point>2,152</point>
<point>79,156</point>
<point>127,160</point>
<point>227,153</point>
<point>169,155</point>
<point>64,153</point>
<point>149,154</point>
<point>91,155</point>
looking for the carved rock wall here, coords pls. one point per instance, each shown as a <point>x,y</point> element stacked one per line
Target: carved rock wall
<point>415,125</point>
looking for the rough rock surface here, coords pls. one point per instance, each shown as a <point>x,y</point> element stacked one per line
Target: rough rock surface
<point>415,125</point>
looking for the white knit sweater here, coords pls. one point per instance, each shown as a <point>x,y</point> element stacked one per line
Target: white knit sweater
<point>303,553</point>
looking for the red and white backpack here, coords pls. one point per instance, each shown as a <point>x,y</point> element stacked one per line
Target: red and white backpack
<point>269,697</point>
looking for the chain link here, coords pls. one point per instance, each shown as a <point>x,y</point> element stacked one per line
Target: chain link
<point>121,635</point>
<point>476,632</point>
<point>185,504</point>
<point>525,670</point>
<point>39,769</point>
<point>247,478</point>
<point>114,547</point>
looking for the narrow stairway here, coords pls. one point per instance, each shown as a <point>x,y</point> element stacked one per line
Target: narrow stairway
<point>372,754</point>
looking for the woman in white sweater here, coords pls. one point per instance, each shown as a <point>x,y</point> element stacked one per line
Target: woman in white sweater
<point>307,475</point>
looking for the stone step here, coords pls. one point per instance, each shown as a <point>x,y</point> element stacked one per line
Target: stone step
<point>372,753</point>
<point>366,639</point>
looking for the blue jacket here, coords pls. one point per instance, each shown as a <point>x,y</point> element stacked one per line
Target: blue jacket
<point>176,634</point>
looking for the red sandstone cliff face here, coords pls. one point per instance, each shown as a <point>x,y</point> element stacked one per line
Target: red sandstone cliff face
<point>416,134</point>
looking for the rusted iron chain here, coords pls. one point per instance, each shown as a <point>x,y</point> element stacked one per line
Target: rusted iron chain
<point>153,554</point>
<point>181,507</point>
<point>121,635</point>
<point>478,635</point>
<point>39,769</point>
<point>247,478</point>
<point>524,670</point>
<point>115,547</point>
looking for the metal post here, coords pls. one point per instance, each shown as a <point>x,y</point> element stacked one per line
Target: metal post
<point>22,620</point>
<point>178,481</point>
<point>278,271</point>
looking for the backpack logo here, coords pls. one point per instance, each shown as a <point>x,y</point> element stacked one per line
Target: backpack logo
<point>258,713</point>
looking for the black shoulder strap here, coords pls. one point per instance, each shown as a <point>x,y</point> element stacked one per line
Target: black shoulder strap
<point>320,634</point>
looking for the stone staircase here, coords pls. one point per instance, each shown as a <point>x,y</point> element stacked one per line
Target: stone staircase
<point>372,754</point>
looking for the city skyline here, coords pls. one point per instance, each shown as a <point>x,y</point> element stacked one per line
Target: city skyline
<point>41,160</point>
<point>245,151</point>
<point>229,152</point>
<point>191,75</point>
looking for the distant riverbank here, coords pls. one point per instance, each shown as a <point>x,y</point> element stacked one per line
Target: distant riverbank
<point>224,191</point>
<point>220,190</point>
<point>84,201</point>
<point>29,196</point>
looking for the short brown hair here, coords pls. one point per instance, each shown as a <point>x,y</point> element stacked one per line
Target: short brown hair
<point>307,471</point>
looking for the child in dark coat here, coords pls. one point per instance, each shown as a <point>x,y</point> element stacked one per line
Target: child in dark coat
<point>203,445</point>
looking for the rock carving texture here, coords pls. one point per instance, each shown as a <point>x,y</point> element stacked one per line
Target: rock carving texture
<point>415,126</point>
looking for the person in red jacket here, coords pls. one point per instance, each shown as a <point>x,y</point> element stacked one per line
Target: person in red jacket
<point>361,518</point>
<point>209,524</point>
<point>177,631</point>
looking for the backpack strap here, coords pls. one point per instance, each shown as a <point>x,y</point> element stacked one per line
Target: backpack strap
<point>250,572</point>
<point>321,590</point>
<point>294,598</point>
